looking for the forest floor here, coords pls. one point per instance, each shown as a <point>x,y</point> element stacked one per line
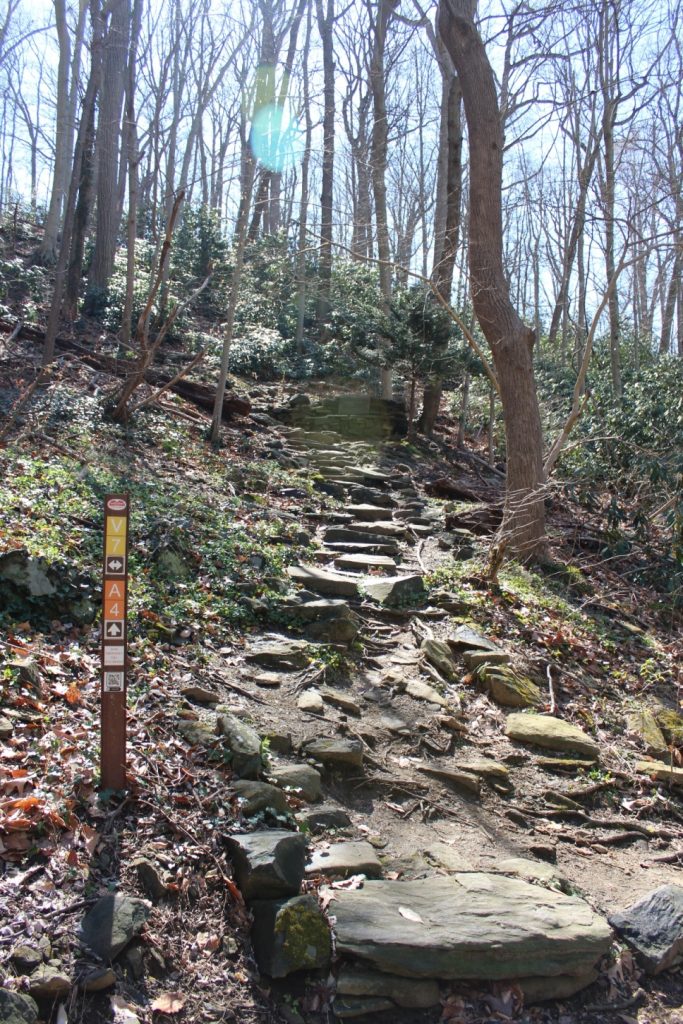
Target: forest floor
<point>214,532</point>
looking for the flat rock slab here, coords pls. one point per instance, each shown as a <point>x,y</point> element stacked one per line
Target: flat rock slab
<point>336,751</point>
<point>534,871</point>
<point>324,582</point>
<point>341,860</point>
<point>661,772</point>
<point>507,687</point>
<point>468,639</point>
<point>406,992</point>
<point>112,923</point>
<point>382,528</point>
<point>361,562</point>
<point>552,733</point>
<point>281,654</point>
<point>423,691</point>
<point>472,926</point>
<point>473,659</point>
<point>268,864</point>
<point>394,590</point>
<point>367,513</point>
<point>453,777</point>
<point>48,982</point>
<point>654,927</point>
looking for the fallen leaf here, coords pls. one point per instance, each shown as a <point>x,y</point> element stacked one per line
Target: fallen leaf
<point>410,915</point>
<point>169,1002</point>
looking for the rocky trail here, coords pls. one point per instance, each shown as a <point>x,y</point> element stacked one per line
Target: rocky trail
<point>428,828</point>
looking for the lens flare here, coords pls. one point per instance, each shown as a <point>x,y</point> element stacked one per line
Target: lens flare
<point>277,141</point>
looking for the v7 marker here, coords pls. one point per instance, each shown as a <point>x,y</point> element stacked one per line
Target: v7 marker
<point>114,622</point>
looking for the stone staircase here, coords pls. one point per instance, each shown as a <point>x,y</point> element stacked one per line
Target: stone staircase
<point>396,932</point>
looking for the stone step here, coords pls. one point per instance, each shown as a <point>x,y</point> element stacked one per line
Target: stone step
<point>322,581</point>
<point>351,535</point>
<point>387,548</point>
<point>473,925</point>
<point>363,562</point>
<point>383,528</point>
<point>367,513</point>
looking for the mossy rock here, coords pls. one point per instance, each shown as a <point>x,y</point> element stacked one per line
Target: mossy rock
<point>671,724</point>
<point>643,725</point>
<point>290,936</point>
<point>508,688</point>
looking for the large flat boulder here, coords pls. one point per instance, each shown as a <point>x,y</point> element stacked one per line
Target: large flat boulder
<point>394,591</point>
<point>472,925</point>
<point>551,733</point>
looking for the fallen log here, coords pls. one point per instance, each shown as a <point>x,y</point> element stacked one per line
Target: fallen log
<point>201,395</point>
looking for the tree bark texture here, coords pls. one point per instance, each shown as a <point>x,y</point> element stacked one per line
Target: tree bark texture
<point>511,342</point>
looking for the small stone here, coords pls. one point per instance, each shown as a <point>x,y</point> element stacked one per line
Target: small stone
<point>508,688</point>
<point>336,751</point>
<point>310,700</point>
<point>440,655</point>
<point>134,961</point>
<point>27,957</point>
<point>395,724</point>
<point>112,923</point>
<point>150,878</point>
<point>654,928</point>
<point>411,993</point>
<point>200,694</point>
<point>97,980</point>
<point>290,936</point>
<point>259,796</point>
<point>554,733</point>
<point>6,728</point>
<point>47,982</point>
<point>16,1008</point>
<point>267,680</point>
<point>423,691</point>
<point>393,591</point>
<point>319,819</point>
<point>341,700</point>
<point>642,724</point>
<point>341,860</point>
<point>268,864</point>
<point>243,745</point>
<point>367,513</point>
<point>302,778</point>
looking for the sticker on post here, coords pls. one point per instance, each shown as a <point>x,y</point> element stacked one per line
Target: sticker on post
<point>115,655</point>
<point>113,682</point>
<point>115,565</point>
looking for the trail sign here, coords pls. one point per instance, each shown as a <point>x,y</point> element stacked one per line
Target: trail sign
<point>114,618</point>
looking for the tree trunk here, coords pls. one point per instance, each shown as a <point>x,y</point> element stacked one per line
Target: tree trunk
<point>510,340</point>
<point>325,27</point>
<point>379,148</point>
<point>108,146</point>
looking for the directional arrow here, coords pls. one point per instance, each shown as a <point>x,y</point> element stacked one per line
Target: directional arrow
<point>113,629</point>
<point>115,564</point>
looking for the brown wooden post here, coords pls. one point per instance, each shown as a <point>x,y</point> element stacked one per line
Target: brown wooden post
<point>114,623</point>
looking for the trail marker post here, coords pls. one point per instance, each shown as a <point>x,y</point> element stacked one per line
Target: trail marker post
<point>114,638</point>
